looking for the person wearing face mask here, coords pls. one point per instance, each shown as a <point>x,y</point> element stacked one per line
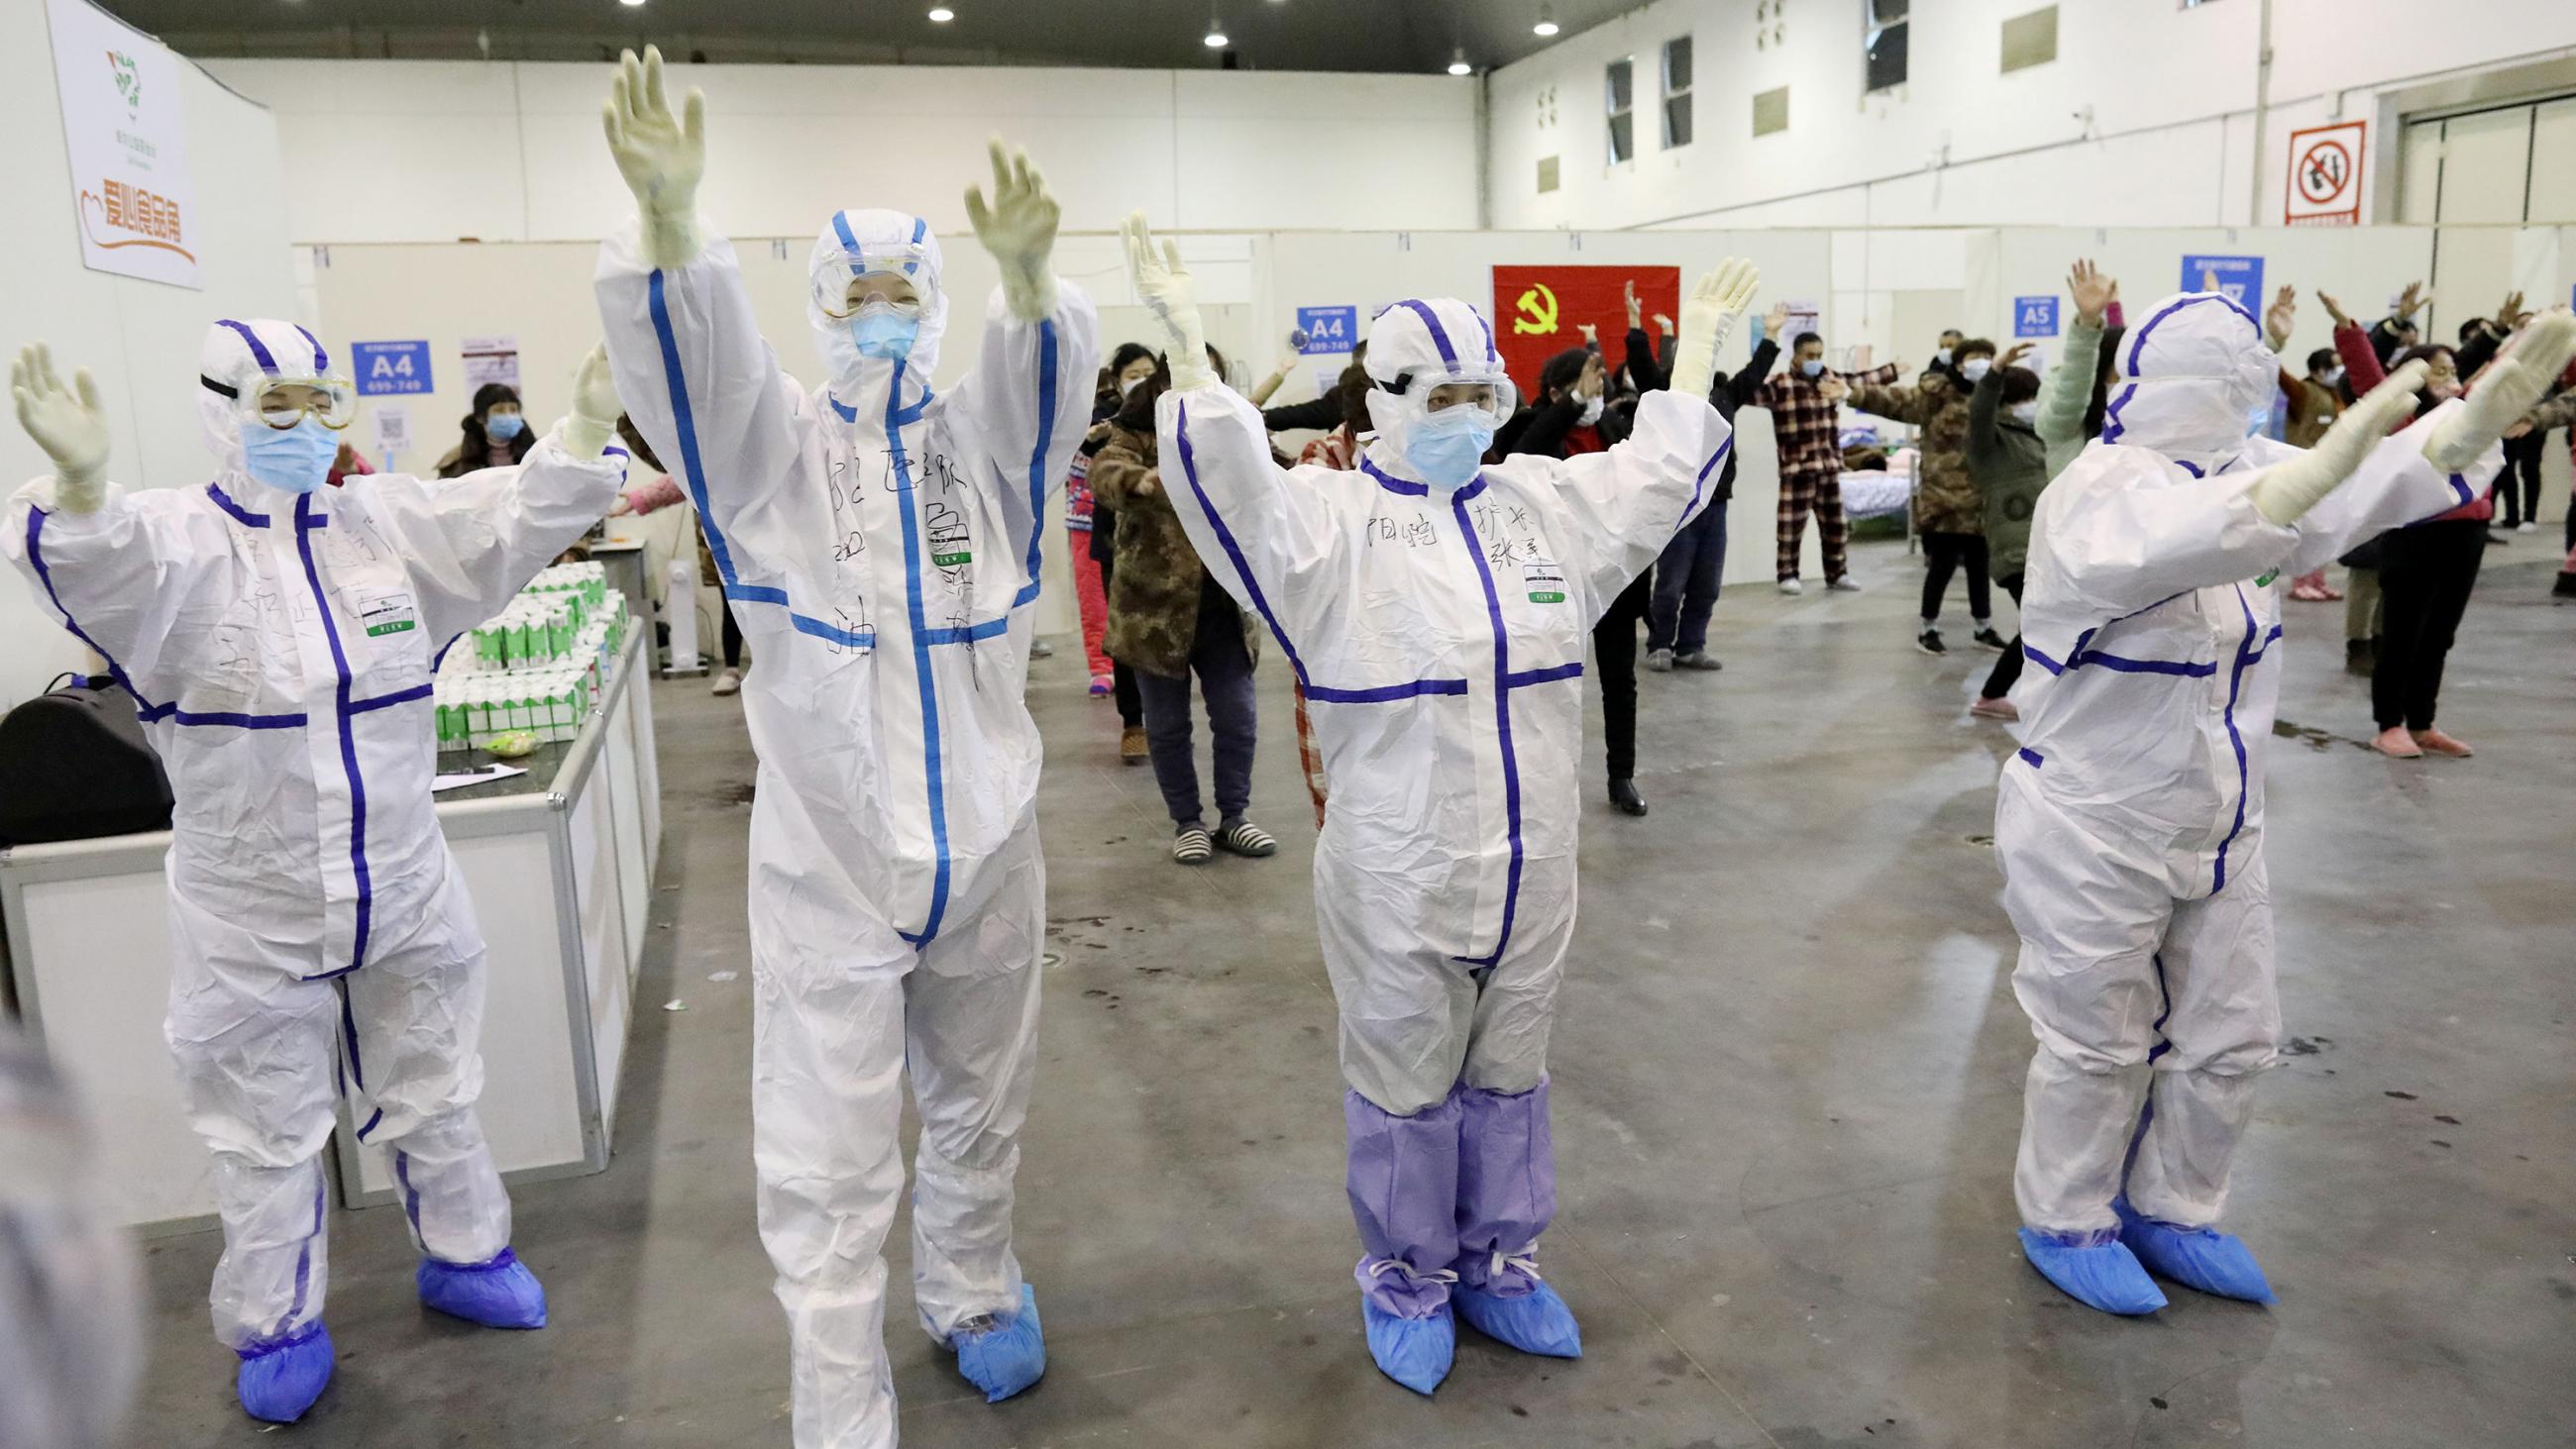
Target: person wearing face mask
<point>314,911</point>
<point>2009,465</point>
<point>1805,404</point>
<point>1945,360</point>
<point>2130,822</point>
<point>1128,369</point>
<point>1947,514</point>
<point>1086,520</point>
<point>1435,607</point>
<point>882,540</point>
<point>496,435</point>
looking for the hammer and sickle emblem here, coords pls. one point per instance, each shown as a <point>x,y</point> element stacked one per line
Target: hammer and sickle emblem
<point>1537,308</point>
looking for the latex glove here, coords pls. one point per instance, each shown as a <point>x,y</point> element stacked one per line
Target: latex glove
<point>1019,230</point>
<point>2504,392</point>
<point>662,156</point>
<point>2285,492</point>
<point>67,423</point>
<point>1163,285</point>
<point>1708,314</point>
<point>595,408</point>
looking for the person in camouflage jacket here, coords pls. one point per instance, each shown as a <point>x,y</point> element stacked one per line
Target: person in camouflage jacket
<point>1949,513</point>
<point>1167,621</point>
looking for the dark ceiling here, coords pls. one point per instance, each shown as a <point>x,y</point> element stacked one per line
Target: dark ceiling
<point>1322,35</point>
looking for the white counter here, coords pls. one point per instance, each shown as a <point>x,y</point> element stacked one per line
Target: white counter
<point>560,865</point>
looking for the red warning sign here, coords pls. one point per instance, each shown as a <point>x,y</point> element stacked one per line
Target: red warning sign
<point>2324,183</point>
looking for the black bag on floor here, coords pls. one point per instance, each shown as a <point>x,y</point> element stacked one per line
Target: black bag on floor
<point>74,765</point>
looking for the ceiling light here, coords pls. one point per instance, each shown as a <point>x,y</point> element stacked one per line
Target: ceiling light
<point>631,4</point>
<point>1546,22</point>
<point>1458,63</point>
<point>941,14</point>
<point>1215,38</point>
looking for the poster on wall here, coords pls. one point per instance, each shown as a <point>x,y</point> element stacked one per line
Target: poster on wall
<point>1541,311</point>
<point>393,431</point>
<point>2325,175</point>
<point>492,359</point>
<point>127,141</point>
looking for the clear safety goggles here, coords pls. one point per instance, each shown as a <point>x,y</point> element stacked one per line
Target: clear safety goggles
<point>1440,392</point>
<point>895,274</point>
<point>281,404</point>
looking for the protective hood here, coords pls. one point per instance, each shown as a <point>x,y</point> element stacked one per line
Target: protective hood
<point>866,240</point>
<point>242,359</point>
<point>1414,346</point>
<point>2190,379</point>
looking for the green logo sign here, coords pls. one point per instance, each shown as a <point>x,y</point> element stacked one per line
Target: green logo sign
<point>129,79</point>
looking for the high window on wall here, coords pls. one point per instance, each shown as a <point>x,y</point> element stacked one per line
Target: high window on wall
<point>1883,36</point>
<point>1622,100</point>
<point>1677,92</point>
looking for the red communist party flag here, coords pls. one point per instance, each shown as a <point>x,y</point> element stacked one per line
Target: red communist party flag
<point>1540,311</point>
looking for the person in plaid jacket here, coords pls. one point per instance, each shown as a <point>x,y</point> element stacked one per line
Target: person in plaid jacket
<point>1804,402</point>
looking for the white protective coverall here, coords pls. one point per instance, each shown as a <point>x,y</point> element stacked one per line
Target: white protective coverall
<point>1439,638</point>
<point>2130,822</point>
<point>880,543</point>
<point>280,648</point>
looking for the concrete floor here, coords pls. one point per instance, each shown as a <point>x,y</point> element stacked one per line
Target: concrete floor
<point>1788,1078</point>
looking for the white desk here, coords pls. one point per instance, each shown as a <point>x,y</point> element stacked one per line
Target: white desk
<point>560,864</point>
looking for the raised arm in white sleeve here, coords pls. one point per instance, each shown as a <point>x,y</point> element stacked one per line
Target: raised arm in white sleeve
<point>137,578</point>
<point>1629,501</point>
<point>1023,403</point>
<point>2395,485</point>
<point>470,543</point>
<point>1262,535</point>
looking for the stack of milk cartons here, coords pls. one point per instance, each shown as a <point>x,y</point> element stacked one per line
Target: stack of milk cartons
<point>537,666</point>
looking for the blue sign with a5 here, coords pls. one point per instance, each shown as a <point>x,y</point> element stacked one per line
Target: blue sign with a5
<point>381,368</point>
<point>1329,330</point>
<point>2035,316</point>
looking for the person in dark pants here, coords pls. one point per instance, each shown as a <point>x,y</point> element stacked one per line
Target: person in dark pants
<point>1568,417</point>
<point>2522,464</point>
<point>1687,577</point>
<point>2009,464</point>
<point>1168,621</point>
<point>2426,574</point>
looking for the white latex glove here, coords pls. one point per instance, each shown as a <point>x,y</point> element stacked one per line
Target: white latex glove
<point>2285,492</point>
<point>595,408</point>
<point>660,155</point>
<point>1019,230</point>
<point>1163,285</point>
<point>67,423</point>
<point>2530,362</point>
<point>1708,314</point>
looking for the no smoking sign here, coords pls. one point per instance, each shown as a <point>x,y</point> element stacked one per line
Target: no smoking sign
<point>2324,183</point>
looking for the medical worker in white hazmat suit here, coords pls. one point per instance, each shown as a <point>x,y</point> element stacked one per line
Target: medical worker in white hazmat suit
<point>879,542</point>
<point>2130,822</point>
<point>1435,611</point>
<point>278,638</point>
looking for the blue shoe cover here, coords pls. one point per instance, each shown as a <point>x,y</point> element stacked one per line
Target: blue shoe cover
<point>2210,1261</point>
<point>1415,1352</point>
<point>1536,1322</point>
<point>498,1294</point>
<point>280,1379</point>
<point>2094,1270</point>
<point>1007,1357</point>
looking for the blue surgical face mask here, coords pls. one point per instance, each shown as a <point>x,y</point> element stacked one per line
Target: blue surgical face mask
<point>504,426</point>
<point>297,459</point>
<point>1813,367</point>
<point>1975,368</point>
<point>882,334</point>
<point>1448,447</point>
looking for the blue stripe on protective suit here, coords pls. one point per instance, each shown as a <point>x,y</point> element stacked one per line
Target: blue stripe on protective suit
<point>2244,782</point>
<point>932,770</point>
<point>305,523</point>
<point>1502,724</point>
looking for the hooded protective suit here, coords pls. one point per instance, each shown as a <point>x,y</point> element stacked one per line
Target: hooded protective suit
<point>2130,823</point>
<point>880,542</point>
<point>1438,634</point>
<point>280,648</point>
